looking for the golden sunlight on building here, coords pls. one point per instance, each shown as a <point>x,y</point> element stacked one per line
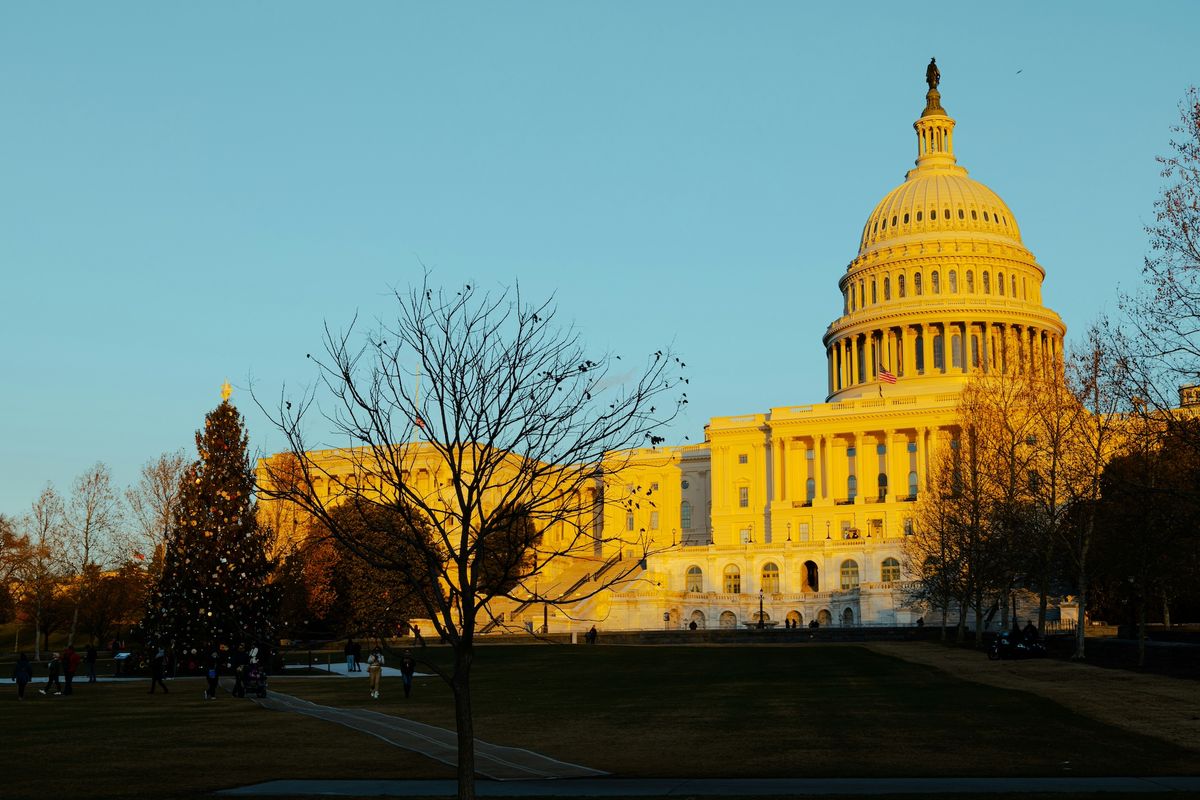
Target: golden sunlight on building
<point>804,508</point>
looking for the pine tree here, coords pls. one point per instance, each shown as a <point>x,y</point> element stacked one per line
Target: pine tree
<point>215,591</point>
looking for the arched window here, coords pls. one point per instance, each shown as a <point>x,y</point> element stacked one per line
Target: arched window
<point>685,515</point>
<point>795,619</point>
<point>874,296</point>
<point>848,617</point>
<point>887,288</point>
<point>935,282</point>
<point>1014,286</point>
<point>1000,283</point>
<point>917,284</point>
<point>900,285</point>
<point>824,618</point>
<point>770,578</point>
<point>728,620</point>
<point>956,351</point>
<point>733,580</point>
<point>862,294</point>
<point>812,577</point>
<point>849,574</point>
<point>695,579</point>
<point>939,352</point>
<point>699,618</point>
<point>810,490</point>
<point>881,482</point>
<point>851,487</point>
<point>912,484</point>
<point>987,283</point>
<point>852,298</point>
<point>970,281</point>
<point>889,571</point>
<point>953,282</point>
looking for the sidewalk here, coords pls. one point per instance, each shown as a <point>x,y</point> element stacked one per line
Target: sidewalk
<point>749,787</point>
<point>491,760</point>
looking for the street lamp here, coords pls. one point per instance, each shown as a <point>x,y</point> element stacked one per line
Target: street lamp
<point>761,623</point>
<point>789,526</point>
<point>826,529</point>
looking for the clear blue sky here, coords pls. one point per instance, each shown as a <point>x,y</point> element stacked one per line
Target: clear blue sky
<point>189,189</point>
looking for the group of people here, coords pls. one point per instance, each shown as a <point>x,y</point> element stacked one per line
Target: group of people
<point>375,664</point>
<point>60,671</point>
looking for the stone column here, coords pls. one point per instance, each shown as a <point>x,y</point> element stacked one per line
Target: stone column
<point>921,458</point>
<point>781,480</point>
<point>927,347</point>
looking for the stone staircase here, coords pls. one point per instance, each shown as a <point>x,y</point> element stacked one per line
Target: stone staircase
<point>580,577</point>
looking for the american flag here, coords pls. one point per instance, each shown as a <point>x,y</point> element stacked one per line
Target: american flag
<point>886,376</point>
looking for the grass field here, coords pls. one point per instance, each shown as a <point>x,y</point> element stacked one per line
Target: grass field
<point>814,711</point>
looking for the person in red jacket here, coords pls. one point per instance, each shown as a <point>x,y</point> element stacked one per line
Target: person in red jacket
<point>70,663</point>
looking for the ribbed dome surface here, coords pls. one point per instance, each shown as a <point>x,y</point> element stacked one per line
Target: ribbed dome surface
<point>938,201</point>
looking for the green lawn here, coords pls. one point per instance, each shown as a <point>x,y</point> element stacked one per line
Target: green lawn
<point>764,711</point>
<point>810,710</point>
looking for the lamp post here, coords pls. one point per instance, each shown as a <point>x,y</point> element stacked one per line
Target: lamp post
<point>826,529</point>
<point>789,529</point>
<point>761,622</point>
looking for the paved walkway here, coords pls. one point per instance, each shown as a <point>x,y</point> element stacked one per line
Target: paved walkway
<point>764,787</point>
<point>491,760</point>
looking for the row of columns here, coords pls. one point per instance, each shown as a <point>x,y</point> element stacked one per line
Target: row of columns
<point>791,462</point>
<point>1003,347</point>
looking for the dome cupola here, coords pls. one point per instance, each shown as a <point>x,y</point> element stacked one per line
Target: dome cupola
<point>941,282</point>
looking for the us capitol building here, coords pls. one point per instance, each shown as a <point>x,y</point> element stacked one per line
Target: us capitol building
<point>808,504</point>
<point>802,510</point>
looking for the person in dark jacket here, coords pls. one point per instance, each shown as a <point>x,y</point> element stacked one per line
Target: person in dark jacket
<point>240,660</point>
<point>22,674</point>
<point>408,665</point>
<point>157,667</point>
<point>90,659</point>
<point>212,672</point>
<point>70,665</point>
<point>52,682</point>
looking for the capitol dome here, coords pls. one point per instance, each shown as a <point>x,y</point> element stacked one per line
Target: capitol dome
<point>942,286</point>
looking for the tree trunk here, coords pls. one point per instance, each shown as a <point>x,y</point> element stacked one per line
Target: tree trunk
<point>37,631</point>
<point>1080,622</point>
<point>961,634</point>
<point>74,622</point>
<point>464,722</point>
<point>978,621</point>
<point>945,613</point>
<point>1142,633</point>
<point>1043,593</point>
<point>1166,611</point>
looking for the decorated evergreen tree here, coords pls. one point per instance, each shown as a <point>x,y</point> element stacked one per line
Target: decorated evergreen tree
<point>214,592</point>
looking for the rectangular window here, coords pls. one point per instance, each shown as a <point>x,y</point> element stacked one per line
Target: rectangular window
<point>744,496</point>
<point>804,531</point>
<point>629,520</point>
<point>743,458</point>
<point>685,515</point>
<point>654,487</point>
<point>653,520</point>
<point>745,535</point>
<point>845,529</point>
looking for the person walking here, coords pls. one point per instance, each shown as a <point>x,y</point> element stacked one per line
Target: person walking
<point>591,635</point>
<point>240,661</point>
<point>375,671</point>
<point>52,671</point>
<point>157,667</point>
<point>22,674</point>
<point>348,650</point>
<point>408,665</point>
<point>70,665</point>
<point>90,659</point>
<point>357,656</point>
<point>212,673</point>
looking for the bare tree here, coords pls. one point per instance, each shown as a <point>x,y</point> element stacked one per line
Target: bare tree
<point>93,515</point>
<point>514,421</point>
<point>1165,315</point>
<point>40,575</point>
<point>152,503</point>
<point>1098,381</point>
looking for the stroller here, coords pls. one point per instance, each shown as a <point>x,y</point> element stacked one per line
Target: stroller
<point>255,680</point>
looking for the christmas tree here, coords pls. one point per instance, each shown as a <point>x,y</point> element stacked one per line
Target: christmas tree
<point>214,592</point>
